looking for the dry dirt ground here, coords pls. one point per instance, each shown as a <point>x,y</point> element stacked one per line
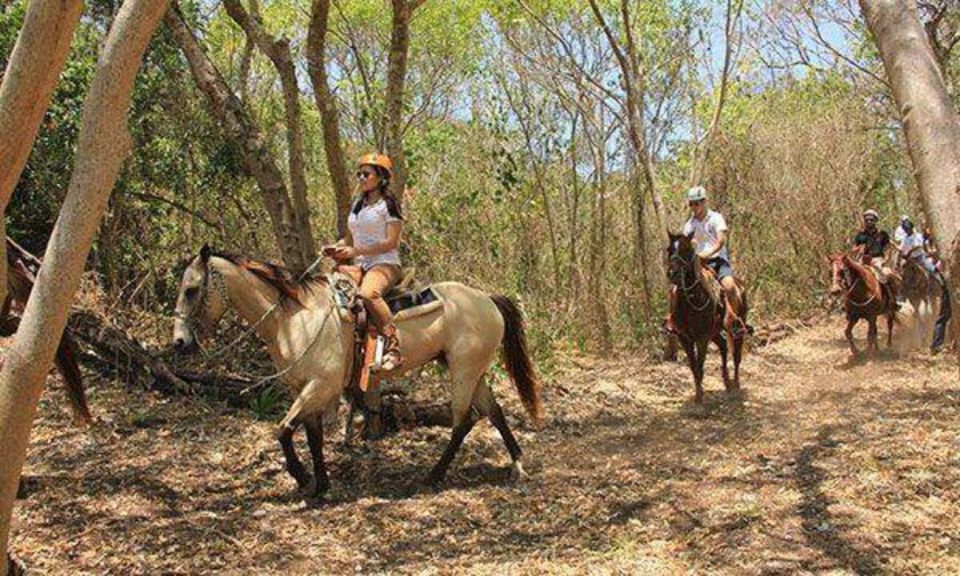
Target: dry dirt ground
<point>820,467</point>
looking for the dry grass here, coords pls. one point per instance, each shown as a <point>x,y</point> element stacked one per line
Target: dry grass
<point>820,467</point>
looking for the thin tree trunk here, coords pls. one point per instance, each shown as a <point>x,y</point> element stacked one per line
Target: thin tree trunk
<point>329,115</point>
<point>631,74</point>
<point>700,160</point>
<point>396,75</point>
<point>27,87</point>
<point>278,51</point>
<point>931,127</point>
<point>240,127</point>
<point>103,144</point>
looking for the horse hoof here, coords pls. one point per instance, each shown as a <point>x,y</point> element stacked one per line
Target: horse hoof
<point>307,484</point>
<point>517,473</point>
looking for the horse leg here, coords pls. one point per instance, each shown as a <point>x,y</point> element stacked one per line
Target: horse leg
<point>465,380</point>
<point>872,345</point>
<point>294,465</point>
<point>314,427</point>
<point>721,343</point>
<point>737,356</point>
<point>701,358</point>
<point>890,318</point>
<point>485,402</point>
<point>848,332</point>
<point>311,400</point>
<point>460,431</point>
<point>691,352</point>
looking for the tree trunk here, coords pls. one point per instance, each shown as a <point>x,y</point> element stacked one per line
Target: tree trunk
<point>278,51</point>
<point>27,87</point>
<point>699,161</point>
<point>329,115</point>
<point>396,75</point>
<point>103,143</point>
<point>241,128</point>
<point>931,127</point>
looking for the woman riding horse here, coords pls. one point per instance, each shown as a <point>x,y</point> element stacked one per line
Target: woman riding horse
<point>375,225</point>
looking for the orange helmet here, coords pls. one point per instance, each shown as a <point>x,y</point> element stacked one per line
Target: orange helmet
<point>375,159</point>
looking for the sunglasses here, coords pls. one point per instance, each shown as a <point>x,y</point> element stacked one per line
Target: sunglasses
<point>364,174</point>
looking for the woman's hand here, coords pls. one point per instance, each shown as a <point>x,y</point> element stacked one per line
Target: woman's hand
<point>342,253</point>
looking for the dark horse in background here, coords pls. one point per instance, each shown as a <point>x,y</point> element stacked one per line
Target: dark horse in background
<point>864,299</point>
<point>701,314</point>
<point>22,270</point>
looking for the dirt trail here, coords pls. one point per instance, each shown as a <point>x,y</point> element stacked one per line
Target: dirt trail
<point>818,467</point>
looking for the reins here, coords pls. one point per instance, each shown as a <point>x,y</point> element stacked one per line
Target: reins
<point>686,289</point>
<point>849,293</point>
<point>221,289</point>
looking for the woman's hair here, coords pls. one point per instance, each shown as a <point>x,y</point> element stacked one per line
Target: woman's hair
<point>393,208</point>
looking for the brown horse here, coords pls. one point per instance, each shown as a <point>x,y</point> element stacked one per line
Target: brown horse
<point>701,314</point>
<point>22,270</point>
<point>310,340</point>
<point>864,299</point>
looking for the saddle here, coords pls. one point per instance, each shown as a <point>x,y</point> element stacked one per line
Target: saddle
<point>405,302</point>
<point>708,278</point>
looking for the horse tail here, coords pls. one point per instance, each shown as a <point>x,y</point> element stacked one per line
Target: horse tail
<point>67,364</point>
<point>516,358</point>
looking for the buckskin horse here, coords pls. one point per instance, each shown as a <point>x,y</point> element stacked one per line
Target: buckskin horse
<point>918,288</point>
<point>701,315</point>
<point>864,299</point>
<point>311,341</point>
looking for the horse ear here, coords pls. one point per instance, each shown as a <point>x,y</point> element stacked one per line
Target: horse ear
<point>690,235</point>
<point>205,253</point>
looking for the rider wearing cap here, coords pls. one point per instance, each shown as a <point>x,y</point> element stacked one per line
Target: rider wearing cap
<point>912,247</point>
<point>709,231</point>
<point>874,244</point>
<point>375,224</point>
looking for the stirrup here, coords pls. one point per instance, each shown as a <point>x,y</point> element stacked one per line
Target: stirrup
<point>391,361</point>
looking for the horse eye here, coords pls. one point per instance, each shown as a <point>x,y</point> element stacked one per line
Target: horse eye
<point>191,292</point>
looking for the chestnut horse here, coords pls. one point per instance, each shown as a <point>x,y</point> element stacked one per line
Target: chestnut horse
<point>864,299</point>
<point>311,342</point>
<point>701,317</point>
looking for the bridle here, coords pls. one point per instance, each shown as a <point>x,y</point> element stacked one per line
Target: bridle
<point>847,272</point>
<point>689,265</point>
<point>214,277</point>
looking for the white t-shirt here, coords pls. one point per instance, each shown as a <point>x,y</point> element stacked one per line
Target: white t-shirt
<point>909,242</point>
<point>369,227</point>
<point>706,232</point>
<point>899,234</point>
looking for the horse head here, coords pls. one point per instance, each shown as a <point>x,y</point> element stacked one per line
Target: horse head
<point>198,307</point>
<point>681,257</point>
<point>838,273</point>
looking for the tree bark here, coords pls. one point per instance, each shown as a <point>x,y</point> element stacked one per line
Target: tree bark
<point>930,125</point>
<point>396,76</point>
<point>632,80</point>
<point>278,51</point>
<point>329,115</point>
<point>238,125</point>
<point>27,87</point>
<point>699,161</point>
<point>103,143</point>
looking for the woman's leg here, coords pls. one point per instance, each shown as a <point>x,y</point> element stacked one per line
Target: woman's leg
<point>376,282</point>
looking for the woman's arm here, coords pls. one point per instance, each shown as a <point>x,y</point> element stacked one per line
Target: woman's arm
<point>391,243</point>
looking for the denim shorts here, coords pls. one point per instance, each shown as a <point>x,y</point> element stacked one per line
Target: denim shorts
<point>721,267</point>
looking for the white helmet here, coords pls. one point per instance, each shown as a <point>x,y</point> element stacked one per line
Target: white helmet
<point>696,194</point>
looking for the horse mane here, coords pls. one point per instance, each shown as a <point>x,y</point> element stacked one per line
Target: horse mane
<point>280,277</point>
<point>871,282</point>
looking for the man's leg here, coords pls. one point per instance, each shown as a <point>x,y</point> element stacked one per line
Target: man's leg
<point>940,327</point>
